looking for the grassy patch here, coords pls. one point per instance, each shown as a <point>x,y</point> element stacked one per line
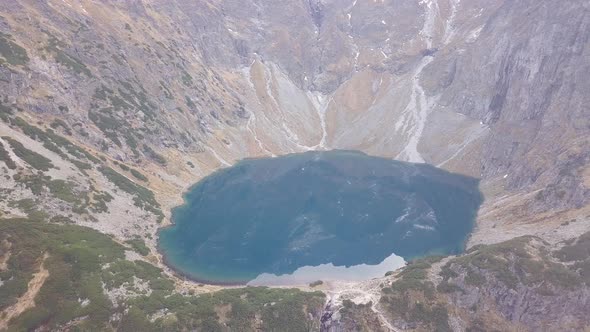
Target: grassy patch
<point>111,108</point>
<point>154,155</point>
<point>139,246</point>
<point>58,123</point>
<point>29,207</point>
<point>69,61</point>
<point>143,197</point>
<point>12,53</point>
<point>577,251</point>
<point>512,265</point>
<point>54,142</point>
<point>138,175</point>
<point>32,158</point>
<point>99,204</point>
<point>412,297</point>
<point>65,191</point>
<point>75,256</point>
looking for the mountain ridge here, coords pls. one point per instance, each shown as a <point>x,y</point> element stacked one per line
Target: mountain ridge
<point>133,101</point>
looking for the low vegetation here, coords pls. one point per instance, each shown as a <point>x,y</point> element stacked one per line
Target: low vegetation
<point>11,52</point>
<point>412,297</point>
<point>32,158</point>
<point>80,200</point>
<point>55,48</point>
<point>523,265</point>
<point>112,107</point>
<point>87,268</point>
<point>143,197</point>
<point>138,175</point>
<point>29,207</point>
<point>577,253</point>
<point>55,143</point>
<point>154,155</point>
<point>75,256</point>
<point>139,246</point>
<point>520,261</point>
<point>59,123</point>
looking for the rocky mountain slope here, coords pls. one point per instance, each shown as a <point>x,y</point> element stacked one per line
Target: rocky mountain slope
<point>111,109</point>
<point>518,285</point>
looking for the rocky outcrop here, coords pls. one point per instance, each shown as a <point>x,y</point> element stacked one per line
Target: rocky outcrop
<point>523,282</point>
<point>519,285</point>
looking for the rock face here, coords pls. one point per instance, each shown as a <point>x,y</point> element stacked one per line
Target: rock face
<point>493,89</point>
<point>520,284</point>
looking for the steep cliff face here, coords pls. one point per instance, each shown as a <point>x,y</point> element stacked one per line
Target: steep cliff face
<point>527,57</point>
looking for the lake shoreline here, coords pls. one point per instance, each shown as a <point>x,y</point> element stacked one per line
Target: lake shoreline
<point>357,165</point>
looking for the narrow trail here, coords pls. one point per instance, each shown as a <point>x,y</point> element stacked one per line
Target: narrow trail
<point>27,300</point>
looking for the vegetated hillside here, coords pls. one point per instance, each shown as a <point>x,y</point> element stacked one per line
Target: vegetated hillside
<point>110,109</point>
<point>84,282</point>
<point>60,277</point>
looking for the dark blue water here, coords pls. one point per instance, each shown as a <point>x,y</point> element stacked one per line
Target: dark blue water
<point>340,207</point>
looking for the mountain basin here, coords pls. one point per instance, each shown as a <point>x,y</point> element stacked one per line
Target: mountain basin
<point>317,216</point>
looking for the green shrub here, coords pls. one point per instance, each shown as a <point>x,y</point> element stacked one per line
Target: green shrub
<point>12,53</point>
<point>71,62</point>
<point>123,167</point>
<point>578,251</point>
<point>32,158</point>
<point>99,205</point>
<point>57,123</point>
<point>63,190</point>
<point>316,283</point>
<point>139,246</point>
<point>474,278</point>
<point>52,141</point>
<point>143,197</point>
<point>138,175</point>
<point>154,155</point>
